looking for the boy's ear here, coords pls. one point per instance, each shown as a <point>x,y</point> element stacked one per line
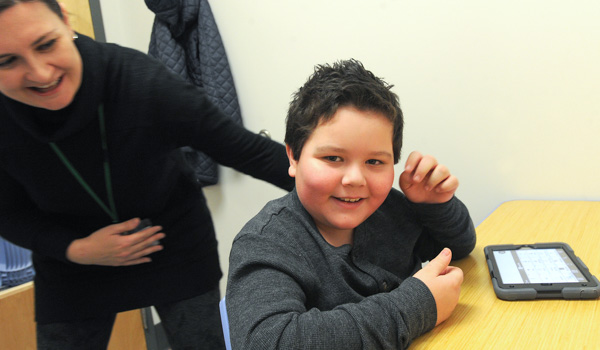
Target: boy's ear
<point>293,162</point>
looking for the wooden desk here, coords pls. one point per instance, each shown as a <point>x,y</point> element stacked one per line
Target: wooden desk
<point>17,326</point>
<point>482,321</point>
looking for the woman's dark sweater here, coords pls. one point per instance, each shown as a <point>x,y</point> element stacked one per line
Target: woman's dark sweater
<point>149,113</point>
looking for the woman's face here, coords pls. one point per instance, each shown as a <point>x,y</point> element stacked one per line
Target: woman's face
<point>39,63</point>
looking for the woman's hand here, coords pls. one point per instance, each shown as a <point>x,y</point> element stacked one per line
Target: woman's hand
<point>109,247</point>
<point>425,181</point>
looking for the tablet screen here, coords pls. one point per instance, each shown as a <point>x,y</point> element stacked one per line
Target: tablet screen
<point>526,265</point>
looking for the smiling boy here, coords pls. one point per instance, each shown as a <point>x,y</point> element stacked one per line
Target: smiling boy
<point>336,264</point>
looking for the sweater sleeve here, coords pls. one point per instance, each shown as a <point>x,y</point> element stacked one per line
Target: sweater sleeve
<point>445,225</point>
<point>23,224</point>
<point>188,118</point>
<point>270,285</point>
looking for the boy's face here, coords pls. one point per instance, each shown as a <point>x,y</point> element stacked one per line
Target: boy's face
<point>345,171</point>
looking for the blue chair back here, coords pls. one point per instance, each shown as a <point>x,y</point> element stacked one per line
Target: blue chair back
<point>225,323</point>
<point>15,265</point>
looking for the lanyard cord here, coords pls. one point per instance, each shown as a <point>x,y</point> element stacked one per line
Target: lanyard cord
<point>112,212</point>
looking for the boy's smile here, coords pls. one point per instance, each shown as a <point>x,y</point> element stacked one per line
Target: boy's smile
<point>345,171</point>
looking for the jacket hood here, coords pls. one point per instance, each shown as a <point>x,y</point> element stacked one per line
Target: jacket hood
<point>177,15</point>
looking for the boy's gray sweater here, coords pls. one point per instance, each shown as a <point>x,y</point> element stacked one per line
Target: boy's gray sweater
<point>289,289</point>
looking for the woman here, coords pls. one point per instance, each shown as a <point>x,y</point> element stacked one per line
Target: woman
<point>86,132</point>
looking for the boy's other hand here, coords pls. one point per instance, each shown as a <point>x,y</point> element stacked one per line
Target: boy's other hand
<point>444,283</point>
<point>425,181</point>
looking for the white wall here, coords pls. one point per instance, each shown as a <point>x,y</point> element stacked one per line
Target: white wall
<point>506,93</point>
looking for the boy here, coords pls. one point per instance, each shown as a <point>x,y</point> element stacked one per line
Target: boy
<point>329,265</point>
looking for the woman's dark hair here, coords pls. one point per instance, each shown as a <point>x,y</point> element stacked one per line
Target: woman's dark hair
<point>343,84</point>
<point>52,5</point>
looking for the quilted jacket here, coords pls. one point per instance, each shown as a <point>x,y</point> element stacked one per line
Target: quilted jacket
<point>186,39</point>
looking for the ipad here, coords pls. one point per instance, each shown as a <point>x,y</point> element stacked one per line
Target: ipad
<point>539,271</point>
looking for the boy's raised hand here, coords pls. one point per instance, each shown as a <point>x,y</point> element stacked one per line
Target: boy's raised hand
<point>425,181</point>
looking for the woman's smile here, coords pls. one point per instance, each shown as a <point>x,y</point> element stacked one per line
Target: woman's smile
<point>48,88</point>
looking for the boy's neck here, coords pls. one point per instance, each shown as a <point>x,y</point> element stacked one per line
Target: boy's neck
<point>338,238</point>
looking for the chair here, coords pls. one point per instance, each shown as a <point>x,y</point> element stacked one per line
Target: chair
<point>225,323</point>
<point>15,265</point>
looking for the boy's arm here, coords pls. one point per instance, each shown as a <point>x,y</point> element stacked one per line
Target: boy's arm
<point>445,225</point>
<point>430,187</point>
<point>268,289</point>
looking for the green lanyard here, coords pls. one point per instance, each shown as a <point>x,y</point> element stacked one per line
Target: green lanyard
<point>112,211</point>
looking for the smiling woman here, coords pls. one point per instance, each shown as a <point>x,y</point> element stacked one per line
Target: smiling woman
<point>86,135</point>
<point>39,63</point>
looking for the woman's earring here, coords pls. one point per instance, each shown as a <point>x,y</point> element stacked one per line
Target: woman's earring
<point>75,36</point>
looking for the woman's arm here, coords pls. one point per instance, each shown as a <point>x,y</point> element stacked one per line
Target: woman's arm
<point>23,224</point>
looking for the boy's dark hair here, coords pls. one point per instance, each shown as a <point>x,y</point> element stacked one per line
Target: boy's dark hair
<point>52,5</point>
<point>345,83</point>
